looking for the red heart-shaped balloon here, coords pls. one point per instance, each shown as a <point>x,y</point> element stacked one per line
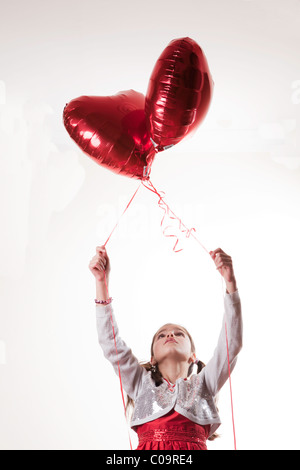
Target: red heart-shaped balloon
<point>112,131</point>
<point>179,93</point>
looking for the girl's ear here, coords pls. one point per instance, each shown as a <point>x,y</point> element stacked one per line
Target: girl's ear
<point>192,358</point>
<point>152,361</point>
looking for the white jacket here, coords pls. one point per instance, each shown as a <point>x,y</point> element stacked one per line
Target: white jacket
<point>193,398</point>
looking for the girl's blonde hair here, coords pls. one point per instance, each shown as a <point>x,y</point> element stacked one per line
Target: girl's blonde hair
<point>158,378</point>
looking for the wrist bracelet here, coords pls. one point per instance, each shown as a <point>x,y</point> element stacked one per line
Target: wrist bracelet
<point>104,302</point>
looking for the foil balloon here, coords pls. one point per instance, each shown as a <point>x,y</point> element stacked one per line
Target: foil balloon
<point>179,93</point>
<point>112,131</point>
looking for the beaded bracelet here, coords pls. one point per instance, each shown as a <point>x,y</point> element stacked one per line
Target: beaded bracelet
<point>104,302</point>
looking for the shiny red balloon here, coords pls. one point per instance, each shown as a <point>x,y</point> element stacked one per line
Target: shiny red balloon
<point>179,93</point>
<point>112,131</point>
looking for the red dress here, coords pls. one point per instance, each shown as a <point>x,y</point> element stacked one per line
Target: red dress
<point>172,432</point>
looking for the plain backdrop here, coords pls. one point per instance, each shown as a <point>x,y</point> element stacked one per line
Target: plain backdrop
<point>236,181</point>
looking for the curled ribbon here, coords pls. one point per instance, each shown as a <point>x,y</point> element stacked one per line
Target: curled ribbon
<point>170,214</point>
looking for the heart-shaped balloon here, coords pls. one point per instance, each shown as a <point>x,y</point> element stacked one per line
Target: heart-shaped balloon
<point>112,131</point>
<point>179,93</point>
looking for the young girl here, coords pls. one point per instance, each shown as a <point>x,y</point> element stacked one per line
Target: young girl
<point>173,408</point>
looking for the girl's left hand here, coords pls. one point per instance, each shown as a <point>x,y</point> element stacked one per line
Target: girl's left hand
<point>224,265</point>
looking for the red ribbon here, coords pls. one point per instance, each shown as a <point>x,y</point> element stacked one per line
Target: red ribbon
<point>170,214</point>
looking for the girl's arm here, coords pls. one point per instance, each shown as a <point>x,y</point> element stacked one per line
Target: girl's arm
<point>216,371</point>
<point>117,352</point>
<point>114,348</point>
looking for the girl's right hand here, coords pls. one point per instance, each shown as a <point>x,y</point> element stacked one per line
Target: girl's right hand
<point>100,264</point>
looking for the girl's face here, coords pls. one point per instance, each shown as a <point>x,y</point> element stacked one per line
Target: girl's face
<point>172,342</point>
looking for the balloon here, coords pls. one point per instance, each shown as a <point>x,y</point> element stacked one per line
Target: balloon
<point>112,131</point>
<point>179,93</point>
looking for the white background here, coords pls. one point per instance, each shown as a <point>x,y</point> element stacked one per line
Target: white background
<point>236,181</point>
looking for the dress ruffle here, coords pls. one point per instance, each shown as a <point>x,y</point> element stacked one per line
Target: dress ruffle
<point>172,432</point>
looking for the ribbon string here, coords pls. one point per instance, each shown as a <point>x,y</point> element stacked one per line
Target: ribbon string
<point>168,214</point>
<point>122,214</point>
<point>111,318</point>
<point>229,377</point>
<point>119,370</point>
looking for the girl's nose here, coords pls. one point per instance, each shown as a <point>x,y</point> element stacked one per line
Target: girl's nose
<point>170,333</point>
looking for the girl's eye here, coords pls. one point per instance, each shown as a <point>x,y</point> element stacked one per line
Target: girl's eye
<point>160,336</point>
<point>179,333</point>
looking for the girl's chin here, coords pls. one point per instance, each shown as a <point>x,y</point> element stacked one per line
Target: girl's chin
<point>173,356</point>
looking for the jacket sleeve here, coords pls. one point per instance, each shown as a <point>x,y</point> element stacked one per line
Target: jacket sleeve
<point>216,370</point>
<point>108,332</point>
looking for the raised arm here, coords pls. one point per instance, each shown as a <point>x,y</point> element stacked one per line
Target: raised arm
<point>216,371</point>
<point>114,348</point>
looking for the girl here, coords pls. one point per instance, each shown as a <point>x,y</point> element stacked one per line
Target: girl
<point>173,408</point>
